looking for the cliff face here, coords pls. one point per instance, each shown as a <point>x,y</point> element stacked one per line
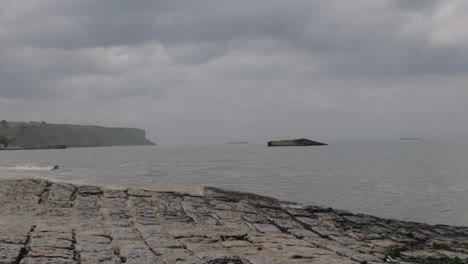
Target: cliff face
<point>73,135</point>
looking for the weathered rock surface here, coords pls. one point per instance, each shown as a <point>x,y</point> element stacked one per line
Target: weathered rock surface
<point>45,222</point>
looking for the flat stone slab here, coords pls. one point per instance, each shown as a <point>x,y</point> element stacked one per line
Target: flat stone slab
<point>52,222</point>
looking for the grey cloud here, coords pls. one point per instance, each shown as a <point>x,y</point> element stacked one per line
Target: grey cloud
<point>330,28</point>
<point>199,53</point>
<point>249,62</point>
<point>417,5</point>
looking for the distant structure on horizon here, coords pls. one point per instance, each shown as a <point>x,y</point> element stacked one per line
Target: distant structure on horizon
<point>295,142</point>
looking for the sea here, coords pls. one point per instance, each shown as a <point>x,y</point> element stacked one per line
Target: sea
<point>414,180</point>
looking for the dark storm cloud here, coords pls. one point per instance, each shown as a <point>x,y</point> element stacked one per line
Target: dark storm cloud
<point>246,60</point>
<point>365,28</point>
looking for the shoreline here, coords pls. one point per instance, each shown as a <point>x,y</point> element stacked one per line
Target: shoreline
<point>50,220</point>
<point>195,190</point>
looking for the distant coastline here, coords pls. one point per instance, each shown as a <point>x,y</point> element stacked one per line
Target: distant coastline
<point>39,135</point>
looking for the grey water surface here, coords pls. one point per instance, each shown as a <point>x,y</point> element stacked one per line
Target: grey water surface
<point>419,180</point>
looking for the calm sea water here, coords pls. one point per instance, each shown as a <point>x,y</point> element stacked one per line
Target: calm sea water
<point>410,180</point>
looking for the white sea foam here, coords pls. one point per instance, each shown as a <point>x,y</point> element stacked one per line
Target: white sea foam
<point>27,168</point>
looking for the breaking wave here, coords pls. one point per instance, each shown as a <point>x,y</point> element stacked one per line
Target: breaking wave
<point>27,168</point>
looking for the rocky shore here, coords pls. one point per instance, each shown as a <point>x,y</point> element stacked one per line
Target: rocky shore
<point>61,223</point>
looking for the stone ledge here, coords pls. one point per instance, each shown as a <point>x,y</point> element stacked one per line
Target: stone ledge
<point>59,222</point>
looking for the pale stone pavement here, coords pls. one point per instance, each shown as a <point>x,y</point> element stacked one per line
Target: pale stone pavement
<point>59,223</point>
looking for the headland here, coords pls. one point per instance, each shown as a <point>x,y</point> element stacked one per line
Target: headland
<point>56,222</point>
<point>39,135</point>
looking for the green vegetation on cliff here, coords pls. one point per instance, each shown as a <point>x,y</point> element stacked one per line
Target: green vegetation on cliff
<point>35,133</point>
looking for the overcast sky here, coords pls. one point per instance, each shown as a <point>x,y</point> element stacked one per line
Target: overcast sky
<point>253,70</point>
